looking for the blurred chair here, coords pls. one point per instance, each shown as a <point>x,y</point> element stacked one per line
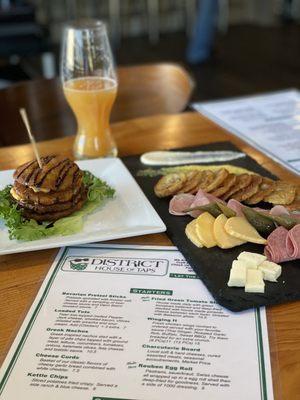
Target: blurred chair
<point>151,89</point>
<point>143,90</point>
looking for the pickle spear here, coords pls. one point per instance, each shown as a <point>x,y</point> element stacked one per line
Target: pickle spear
<point>286,221</point>
<point>227,211</point>
<point>212,208</point>
<point>262,223</point>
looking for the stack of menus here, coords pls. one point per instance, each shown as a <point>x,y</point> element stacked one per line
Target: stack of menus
<point>269,122</point>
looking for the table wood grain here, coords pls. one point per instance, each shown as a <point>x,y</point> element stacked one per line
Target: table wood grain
<point>22,274</point>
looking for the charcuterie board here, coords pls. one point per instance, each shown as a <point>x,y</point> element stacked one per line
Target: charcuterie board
<point>212,265</point>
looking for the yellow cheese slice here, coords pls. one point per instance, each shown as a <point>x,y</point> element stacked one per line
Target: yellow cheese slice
<point>240,228</point>
<point>205,229</point>
<point>190,231</point>
<point>223,239</point>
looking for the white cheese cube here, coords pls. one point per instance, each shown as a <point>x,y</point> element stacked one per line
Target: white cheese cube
<point>237,276</point>
<point>244,263</point>
<point>270,270</point>
<point>253,259</point>
<point>254,281</point>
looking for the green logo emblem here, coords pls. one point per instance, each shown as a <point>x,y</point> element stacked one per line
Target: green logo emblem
<point>79,264</point>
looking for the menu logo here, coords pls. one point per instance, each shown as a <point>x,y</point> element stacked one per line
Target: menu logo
<point>79,264</point>
<point>117,265</point>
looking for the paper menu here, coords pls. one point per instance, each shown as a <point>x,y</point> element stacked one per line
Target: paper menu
<point>124,322</point>
<point>269,122</point>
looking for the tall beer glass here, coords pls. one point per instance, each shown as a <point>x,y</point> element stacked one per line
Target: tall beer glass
<point>90,86</point>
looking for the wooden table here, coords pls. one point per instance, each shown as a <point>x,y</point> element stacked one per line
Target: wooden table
<point>22,274</point>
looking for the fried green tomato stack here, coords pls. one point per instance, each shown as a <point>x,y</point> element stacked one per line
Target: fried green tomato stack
<point>49,193</point>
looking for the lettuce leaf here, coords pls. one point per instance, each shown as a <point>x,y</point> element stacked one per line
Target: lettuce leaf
<point>22,229</point>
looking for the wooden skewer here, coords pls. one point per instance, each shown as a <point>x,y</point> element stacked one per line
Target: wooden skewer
<point>31,137</point>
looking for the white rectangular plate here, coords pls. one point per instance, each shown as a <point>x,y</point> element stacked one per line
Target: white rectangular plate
<point>129,213</point>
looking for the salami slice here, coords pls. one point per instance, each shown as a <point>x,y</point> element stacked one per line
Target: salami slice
<point>180,202</point>
<point>293,242</point>
<point>276,248</point>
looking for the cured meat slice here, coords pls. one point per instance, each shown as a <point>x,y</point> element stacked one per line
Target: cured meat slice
<point>180,202</point>
<point>276,248</point>
<point>279,210</point>
<point>293,242</point>
<point>201,199</point>
<point>236,206</point>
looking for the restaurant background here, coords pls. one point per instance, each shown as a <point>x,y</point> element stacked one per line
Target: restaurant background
<point>254,44</point>
<point>256,47</point>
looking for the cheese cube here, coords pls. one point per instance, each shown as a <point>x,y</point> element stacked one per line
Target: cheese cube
<point>237,276</point>
<point>270,270</point>
<point>254,259</point>
<point>244,263</point>
<point>254,281</point>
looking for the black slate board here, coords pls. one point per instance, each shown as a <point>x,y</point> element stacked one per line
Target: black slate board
<point>213,265</point>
